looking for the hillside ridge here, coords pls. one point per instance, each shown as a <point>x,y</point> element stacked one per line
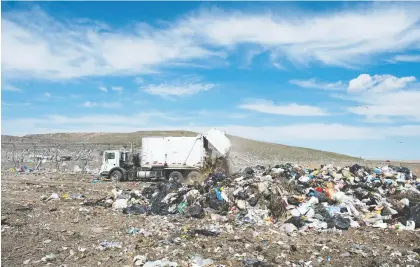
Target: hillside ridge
<point>251,148</point>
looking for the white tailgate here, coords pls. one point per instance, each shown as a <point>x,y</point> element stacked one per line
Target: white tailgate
<point>219,141</point>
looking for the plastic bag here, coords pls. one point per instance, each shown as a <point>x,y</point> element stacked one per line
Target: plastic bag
<point>338,222</point>
<point>135,209</point>
<point>196,211</point>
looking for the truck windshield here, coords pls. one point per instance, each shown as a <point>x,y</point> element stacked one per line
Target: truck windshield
<point>110,155</point>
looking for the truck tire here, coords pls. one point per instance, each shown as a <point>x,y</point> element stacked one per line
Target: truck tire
<point>116,176</point>
<point>194,176</point>
<point>176,176</point>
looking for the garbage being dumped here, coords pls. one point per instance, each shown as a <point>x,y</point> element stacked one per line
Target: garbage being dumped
<point>304,199</point>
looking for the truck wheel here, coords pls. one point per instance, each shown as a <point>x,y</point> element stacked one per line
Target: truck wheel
<point>194,176</point>
<point>176,176</point>
<point>116,176</point>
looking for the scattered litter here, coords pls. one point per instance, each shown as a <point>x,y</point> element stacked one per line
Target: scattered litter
<point>261,216</point>
<point>198,261</point>
<point>54,196</point>
<point>49,258</point>
<point>105,244</point>
<point>161,263</point>
<point>321,198</point>
<point>133,231</point>
<point>139,260</point>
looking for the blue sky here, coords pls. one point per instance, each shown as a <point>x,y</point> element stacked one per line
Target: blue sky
<point>335,76</point>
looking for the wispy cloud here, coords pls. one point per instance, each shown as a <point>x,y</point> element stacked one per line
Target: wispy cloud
<point>148,121</point>
<point>47,47</point>
<point>47,95</point>
<point>221,114</point>
<point>377,119</point>
<point>266,106</point>
<point>379,98</point>
<point>139,80</point>
<point>89,104</point>
<point>315,84</point>
<point>103,89</point>
<point>89,123</point>
<point>177,89</point>
<point>304,38</point>
<point>403,104</point>
<point>75,96</point>
<point>111,105</point>
<point>379,83</point>
<point>23,104</point>
<point>405,58</point>
<point>118,89</point>
<point>10,87</point>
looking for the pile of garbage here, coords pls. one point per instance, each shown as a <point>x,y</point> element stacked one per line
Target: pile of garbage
<point>302,199</point>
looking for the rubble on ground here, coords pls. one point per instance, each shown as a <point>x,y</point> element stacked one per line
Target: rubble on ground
<point>286,215</point>
<point>309,199</point>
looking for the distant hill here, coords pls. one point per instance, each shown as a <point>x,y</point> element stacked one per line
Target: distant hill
<point>250,150</point>
<point>245,152</point>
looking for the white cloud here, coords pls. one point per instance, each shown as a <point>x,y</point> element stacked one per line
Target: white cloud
<point>88,123</point>
<point>117,88</point>
<point>377,119</point>
<point>103,88</point>
<point>111,105</point>
<point>47,94</point>
<point>304,38</point>
<point>24,104</point>
<point>48,48</point>
<point>89,104</point>
<point>75,96</point>
<point>177,89</point>
<point>379,83</point>
<point>45,47</point>
<point>315,84</point>
<point>159,121</point>
<point>381,98</point>
<point>404,104</point>
<point>265,106</point>
<point>405,58</point>
<point>10,87</point>
<point>220,114</point>
<point>320,131</point>
<point>139,80</point>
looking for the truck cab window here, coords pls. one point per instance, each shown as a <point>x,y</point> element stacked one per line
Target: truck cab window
<point>110,155</point>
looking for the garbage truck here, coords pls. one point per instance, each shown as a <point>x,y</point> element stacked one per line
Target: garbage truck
<point>183,159</point>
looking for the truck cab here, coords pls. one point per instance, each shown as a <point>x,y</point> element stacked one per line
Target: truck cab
<point>118,162</point>
<point>110,160</point>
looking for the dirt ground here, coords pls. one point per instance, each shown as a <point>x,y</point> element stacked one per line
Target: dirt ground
<point>33,228</point>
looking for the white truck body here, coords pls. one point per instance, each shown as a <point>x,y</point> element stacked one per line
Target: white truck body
<point>182,152</point>
<point>173,152</point>
<point>166,156</point>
